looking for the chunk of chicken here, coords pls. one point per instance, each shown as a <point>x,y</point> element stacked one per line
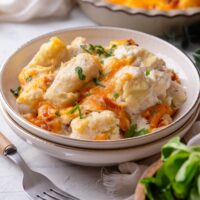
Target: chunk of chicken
<point>50,54</point>
<point>67,82</point>
<point>75,47</point>
<point>139,57</point>
<point>96,126</point>
<point>134,89</point>
<point>177,94</point>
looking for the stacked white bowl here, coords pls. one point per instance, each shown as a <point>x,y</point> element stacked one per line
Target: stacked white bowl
<point>99,153</point>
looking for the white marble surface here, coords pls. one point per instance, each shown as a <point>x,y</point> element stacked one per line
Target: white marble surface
<point>80,181</point>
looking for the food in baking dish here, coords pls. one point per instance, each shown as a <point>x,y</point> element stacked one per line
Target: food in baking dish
<point>158,4</point>
<point>87,91</point>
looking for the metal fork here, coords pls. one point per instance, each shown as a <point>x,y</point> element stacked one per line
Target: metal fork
<point>37,186</point>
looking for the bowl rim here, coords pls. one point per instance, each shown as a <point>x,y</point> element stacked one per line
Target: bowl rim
<point>49,34</point>
<point>189,12</point>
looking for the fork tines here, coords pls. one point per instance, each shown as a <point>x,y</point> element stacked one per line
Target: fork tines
<point>57,194</point>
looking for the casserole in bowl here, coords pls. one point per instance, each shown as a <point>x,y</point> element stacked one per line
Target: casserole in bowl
<point>156,22</point>
<point>102,35</point>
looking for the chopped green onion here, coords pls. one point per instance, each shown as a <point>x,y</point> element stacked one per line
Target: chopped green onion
<point>29,78</point>
<point>114,46</point>
<point>133,132</point>
<point>76,108</point>
<point>16,91</point>
<point>79,71</point>
<point>57,113</point>
<point>97,82</point>
<point>148,71</point>
<point>115,95</point>
<point>101,74</point>
<point>95,49</point>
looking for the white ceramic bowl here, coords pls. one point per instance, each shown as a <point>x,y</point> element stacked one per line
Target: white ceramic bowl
<point>92,157</point>
<point>173,57</point>
<point>151,21</point>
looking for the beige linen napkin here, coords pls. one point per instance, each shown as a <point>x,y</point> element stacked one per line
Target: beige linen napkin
<point>121,184</point>
<point>24,10</point>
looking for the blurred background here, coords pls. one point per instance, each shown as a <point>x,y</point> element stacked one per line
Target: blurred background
<point>176,21</point>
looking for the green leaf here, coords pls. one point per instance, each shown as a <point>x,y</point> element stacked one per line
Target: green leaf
<point>181,190</point>
<point>179,177</point>
<point>111,50</point>
<point>79,71</point>
<point>168,194</point>
<point>116,95</point>
<point>148,71</point>
<point>95,49</point>
<point>73,110</point>
<point>161,178</point>
<point>198,184</point>
<point>29,78</point>
<point>174,162</point>
<point>188,170</point>
<point>98,83</point>
<point>171,36</point>
<point>16,92</point>
<point>173,145</point>
<point>148,182</point>
<point>194,194</point>
<point>76,108</point>
<point>196,56</point>
<point>57,113</point>
<point>133,132</point>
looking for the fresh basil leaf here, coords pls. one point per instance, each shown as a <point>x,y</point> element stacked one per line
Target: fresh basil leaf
<point>181,190</point>
<point>194,195</point>
<point>148,180</point>
<point>173,145</point>
<point>168,194</point>
<point>188,169</point>
<point>148,183</point>
<point>195,149</point>
<point>179,177</point>
<point>198,184</point>
<point>80,73</point>
<point>174,162</point>
<point>161,178</point>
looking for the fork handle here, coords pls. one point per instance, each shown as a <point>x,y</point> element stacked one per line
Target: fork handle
<point>6,147</point>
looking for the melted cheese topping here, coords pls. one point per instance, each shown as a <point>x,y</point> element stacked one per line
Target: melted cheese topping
<point>158,4</point>
<point>88,91</point>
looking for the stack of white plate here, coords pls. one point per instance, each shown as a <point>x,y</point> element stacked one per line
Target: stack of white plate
<point>101,153</point>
